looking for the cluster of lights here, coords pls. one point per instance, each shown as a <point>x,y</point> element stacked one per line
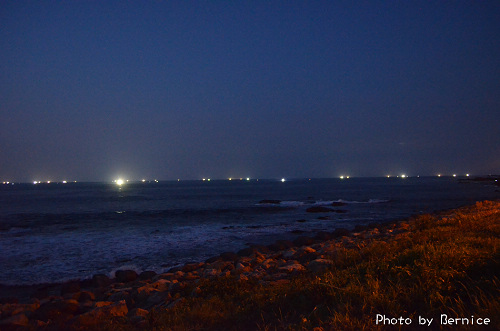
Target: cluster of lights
<point>342,177</point>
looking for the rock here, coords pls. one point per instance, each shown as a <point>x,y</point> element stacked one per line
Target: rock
<point>341,232</point>
<point>246,251</point>
<point>280,245</point>
<point>157,297</point>
<point>269,263</point>
<point>360,228</point>
<point>40,293</point>
<point>138,312</point>
<point>221,265</point>
<point>303,241</point>
<point>192,267</point>
<point>212,259</point>
<point>229,256</point>
<point>323,236</point>
<point>100,280</point>
<point>125,276</point>
<point>161,284</point>
<point>269,201</point>
<point>99,304</point>
<point>57,310</point>
<point>70,287</point>
<point>319,209</point>
<point>84,296</point>
<point>319,265</point>
<point>211,273</point>
<point>93,317</point>
<point>289,253</point>
<point>296,267</point>
<point>14,322</point>
<point>119,296</point>
<point>146,275</point>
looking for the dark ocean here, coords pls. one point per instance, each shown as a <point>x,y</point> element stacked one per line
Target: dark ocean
<point>55,232</point>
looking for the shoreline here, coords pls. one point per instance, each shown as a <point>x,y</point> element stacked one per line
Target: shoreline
<point>134,296</point>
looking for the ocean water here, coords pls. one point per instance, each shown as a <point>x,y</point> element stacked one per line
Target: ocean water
<point>56,232</point>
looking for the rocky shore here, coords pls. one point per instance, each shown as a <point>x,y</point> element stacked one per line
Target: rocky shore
<point>81,304</point>
<point>134,299</point>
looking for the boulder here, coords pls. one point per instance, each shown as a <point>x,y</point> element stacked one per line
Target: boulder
<point>138,312</point>
<point>192,267</point>
<point>70,287</point>
<point>84,296</point>
<point>146,275</point>
<point>341,232</point>
<point>229,256</point>
<point>296,267</point>
<point>303,241</point>
<point>280,245</point>
<point>57,310</point>
<point>322,235</point>
<point>100,280</point>
<point>125,276</point>
<point>97,315</point>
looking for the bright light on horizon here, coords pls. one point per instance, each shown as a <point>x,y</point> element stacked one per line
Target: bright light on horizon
<point>282,180</point>
<point>120,182</point>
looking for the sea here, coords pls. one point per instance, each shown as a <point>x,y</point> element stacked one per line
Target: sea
<point>54,232</point>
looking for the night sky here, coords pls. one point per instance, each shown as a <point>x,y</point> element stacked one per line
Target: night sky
<point>93,90</point>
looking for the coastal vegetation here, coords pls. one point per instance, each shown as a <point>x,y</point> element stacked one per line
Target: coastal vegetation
<point>377,277</point>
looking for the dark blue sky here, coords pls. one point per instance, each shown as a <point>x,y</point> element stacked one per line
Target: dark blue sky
<point>93,90</point>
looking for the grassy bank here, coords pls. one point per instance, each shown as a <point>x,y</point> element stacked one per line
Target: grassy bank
<point>426,266</point>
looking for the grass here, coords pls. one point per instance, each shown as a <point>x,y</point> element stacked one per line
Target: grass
<point>443,264</point>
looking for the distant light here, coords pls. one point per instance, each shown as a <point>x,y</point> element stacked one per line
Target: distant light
<point>204,179</point>
<point>143,180</point>
<point>230,178</point>
<point>178,179</point>
<point>341,177</point>
<point>403,176</point>
<point>208,179</point>
<point>347,177</point>
<point>120,182</point>
<point>467,175</point>
<point>64,182</point>
<point>156,180</point>
<point>35,182</point>
<point>388,176</point>
<point>454,175</point>
<point>439,175</point>
<point>282,180</point>
<point>48,182</point>
<point>248,178</point>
